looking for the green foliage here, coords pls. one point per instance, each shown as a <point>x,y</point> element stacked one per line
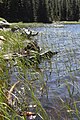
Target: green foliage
<point>16,97</point>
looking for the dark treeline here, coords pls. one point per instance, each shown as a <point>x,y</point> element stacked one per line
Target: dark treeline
<point>40,10</point>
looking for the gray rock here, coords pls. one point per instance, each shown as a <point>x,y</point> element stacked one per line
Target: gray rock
<point>29,32</point>
<point>5,24</point>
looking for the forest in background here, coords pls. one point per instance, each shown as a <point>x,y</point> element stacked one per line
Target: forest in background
<point>40,10</point>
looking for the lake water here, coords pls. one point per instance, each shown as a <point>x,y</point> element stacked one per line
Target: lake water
<point>63,69</point>
<point>61,73</point>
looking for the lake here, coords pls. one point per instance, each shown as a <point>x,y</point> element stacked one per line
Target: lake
<point>57,79</point>
<point>61,72</point>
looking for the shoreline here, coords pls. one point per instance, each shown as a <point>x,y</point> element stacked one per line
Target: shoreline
<point>35,24</point>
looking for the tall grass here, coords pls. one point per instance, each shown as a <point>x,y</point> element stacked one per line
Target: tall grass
<point>23,84</point>
<point>18,99</point>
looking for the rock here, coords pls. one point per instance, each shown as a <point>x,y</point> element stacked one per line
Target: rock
<point>29,32</point>
<point>5,24</point>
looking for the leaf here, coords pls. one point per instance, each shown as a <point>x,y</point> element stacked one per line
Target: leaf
<point>9,96</point>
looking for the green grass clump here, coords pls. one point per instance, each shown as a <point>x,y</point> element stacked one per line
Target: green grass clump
<point>22,82</point>
<point>22,25</point>
<point>71,22</point>
<point>17,96</point>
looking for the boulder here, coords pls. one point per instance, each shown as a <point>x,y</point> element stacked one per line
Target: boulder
<point>4,24</point>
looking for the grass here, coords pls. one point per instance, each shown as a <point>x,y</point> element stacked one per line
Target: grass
<point>21,24</point>
<point>22,82</point>
<point>15,98</point>
<point>71,22</point>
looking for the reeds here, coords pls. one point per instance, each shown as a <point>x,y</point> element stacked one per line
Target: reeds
<point>24,82</point>
<point>18,80</point>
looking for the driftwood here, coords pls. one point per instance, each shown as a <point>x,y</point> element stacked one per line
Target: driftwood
<point>47,54</point>
<point>14,55</point>
<point>30,55</point>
